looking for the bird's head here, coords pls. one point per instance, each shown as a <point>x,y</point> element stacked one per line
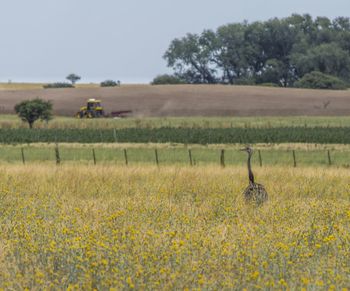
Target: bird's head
<point>247,149</point>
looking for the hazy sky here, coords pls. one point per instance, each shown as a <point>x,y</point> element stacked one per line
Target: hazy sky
<point>44,40</point>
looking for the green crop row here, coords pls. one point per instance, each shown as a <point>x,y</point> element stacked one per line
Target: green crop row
<point>59,122</point>
<point>339,135</point>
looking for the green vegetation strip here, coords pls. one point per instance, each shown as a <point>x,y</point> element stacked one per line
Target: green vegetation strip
<point>59,122</point>
<point>339,135</point>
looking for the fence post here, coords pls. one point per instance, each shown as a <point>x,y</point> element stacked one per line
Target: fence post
<point>126,157</point>
<point>222,158</point>
<point>294,159</point>
<point>57,154</point>
<point>329,157</point>
<point>260,158</point>
<point>23,159</point>
<point>94,156</point>
<point>156,155</point>
<point>190,157</point>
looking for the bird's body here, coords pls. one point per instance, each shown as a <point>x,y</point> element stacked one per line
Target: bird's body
<point>255,192</point>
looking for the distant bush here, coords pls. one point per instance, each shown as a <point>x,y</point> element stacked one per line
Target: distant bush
<point>268,85</point>
<point>109,83</point>
<point>318,80</point>
<point>58,85</point>
<point>245,81</point>
<point>167,80</point>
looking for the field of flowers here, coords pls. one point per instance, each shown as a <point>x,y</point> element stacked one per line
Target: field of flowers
<point>85,227</point>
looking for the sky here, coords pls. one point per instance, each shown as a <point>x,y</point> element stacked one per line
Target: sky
<point>45,40</point>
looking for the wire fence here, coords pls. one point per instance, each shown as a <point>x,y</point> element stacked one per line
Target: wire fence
<point>168,156</point>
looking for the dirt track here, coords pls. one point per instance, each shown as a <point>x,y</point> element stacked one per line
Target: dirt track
<point>191,100</point>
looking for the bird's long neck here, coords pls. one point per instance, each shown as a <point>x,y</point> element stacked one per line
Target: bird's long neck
<point>250,172</point>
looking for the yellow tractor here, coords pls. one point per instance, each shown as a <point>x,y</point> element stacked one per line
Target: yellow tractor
<point>92,109</point>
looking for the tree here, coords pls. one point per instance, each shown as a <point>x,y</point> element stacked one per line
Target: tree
<point>73,78</point>
<point>109,83</point>
<point>279,51</point>
<point>32,110</point>
<point>274,72</point>
<point>327,58</point>
<point>318,80</point>
<point>166,79</point>
<point>277,40</point>
<point>231,52</point>
<point>190,57</point>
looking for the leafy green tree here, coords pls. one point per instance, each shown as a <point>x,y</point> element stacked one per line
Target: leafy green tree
<point>254,51</point>
<point>318,80</point>
<point>190,58</point>
<point>166,79</point>
<point>277,41</point>
<point>232,54</point>
<point>278,51</point>
<point>73,78</point>
<point>327,58</point>
<point>275,72</point>
<point>341,26</point>
<point>32,110</point>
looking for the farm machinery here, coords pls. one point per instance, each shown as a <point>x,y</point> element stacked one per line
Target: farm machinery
<point>94,109</point>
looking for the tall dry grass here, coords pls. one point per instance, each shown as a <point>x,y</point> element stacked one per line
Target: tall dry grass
<point>84,227</point>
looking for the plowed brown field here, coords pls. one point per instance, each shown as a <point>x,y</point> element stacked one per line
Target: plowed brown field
<point>191,100</point>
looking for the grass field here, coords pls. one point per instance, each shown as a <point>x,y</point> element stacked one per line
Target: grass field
<point>97,227</point>
<point>12,121</point>
<point>108,226</point>
<point>171,154</point>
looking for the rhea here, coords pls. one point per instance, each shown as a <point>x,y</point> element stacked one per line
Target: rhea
<point>255,192</point>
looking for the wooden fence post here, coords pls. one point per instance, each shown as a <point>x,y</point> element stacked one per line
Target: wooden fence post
<point>94,156</point>
<point>57,154</point>
<point>329,157</point>
<point>156,156</point>
<point>294,159</point>
<point>222,158</point>
<point>190,157</point>
<point>260,158</point>
<point>126,157</point>
<point>23,159</point>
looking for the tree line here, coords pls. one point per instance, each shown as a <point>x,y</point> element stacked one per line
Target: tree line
<point>73,78</point>
<point>279,52</point>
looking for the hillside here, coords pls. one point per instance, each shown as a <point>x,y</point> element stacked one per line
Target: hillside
<point>191,100</point>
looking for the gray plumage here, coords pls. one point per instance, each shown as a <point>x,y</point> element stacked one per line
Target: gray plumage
<point>255,192</point>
